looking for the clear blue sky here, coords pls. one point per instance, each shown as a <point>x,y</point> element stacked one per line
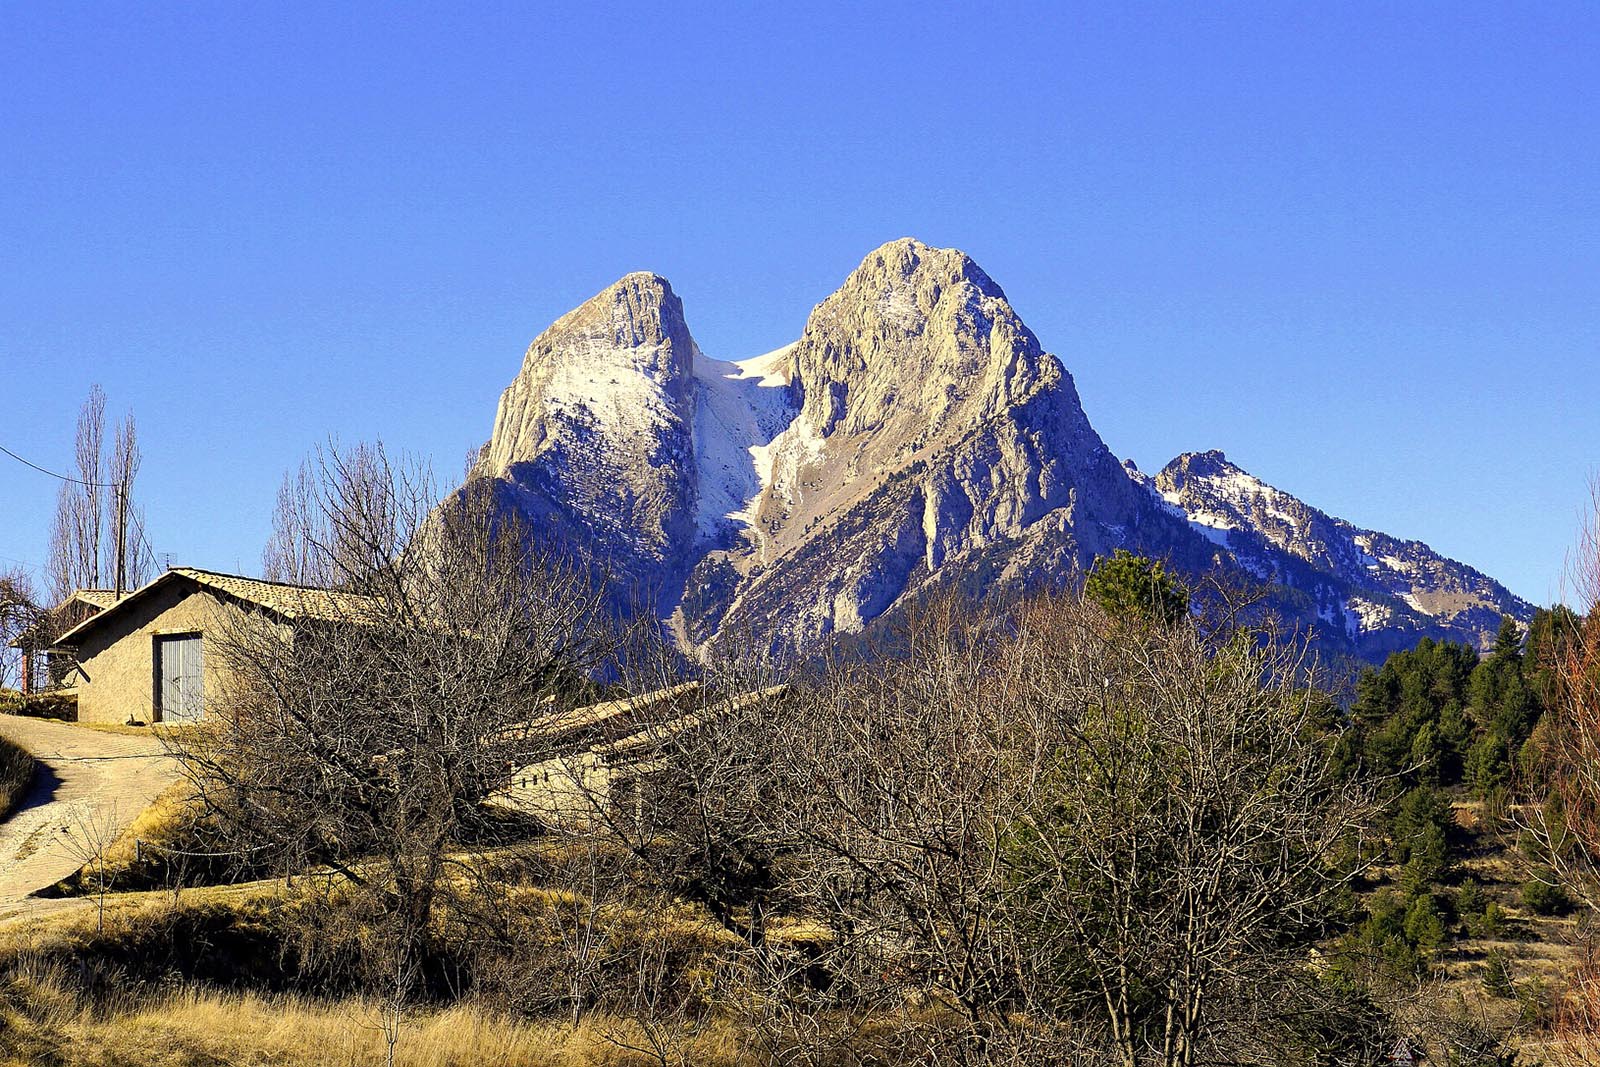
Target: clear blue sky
<point>1355,246</point>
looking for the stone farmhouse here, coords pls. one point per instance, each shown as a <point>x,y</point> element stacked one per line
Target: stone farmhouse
<point>596,757</point>
<point>152,657</point>
<point>144,658</point>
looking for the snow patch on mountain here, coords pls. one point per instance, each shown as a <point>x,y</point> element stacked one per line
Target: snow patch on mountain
<point>740,409</point>
<point>1387,583</point>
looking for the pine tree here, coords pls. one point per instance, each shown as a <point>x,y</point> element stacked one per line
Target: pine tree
<point>1133,587</point>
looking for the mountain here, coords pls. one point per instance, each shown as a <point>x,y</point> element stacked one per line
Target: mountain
<point>915,435</point>
<point>1382,592</point>
<point>592,441</point>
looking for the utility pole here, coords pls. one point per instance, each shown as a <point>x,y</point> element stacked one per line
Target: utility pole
<point>121,491</point>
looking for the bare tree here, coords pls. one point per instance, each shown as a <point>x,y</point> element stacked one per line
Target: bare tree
<point>89,454</point>
<point>1029,828</point>
<point>126,518</point>
<point>1563,813</point>
<point>98,525</point>
<point>19,613</point>
<point>88,839</point>
<point>1053,825</point>
<point>363,727</point>
<point>341,517</point>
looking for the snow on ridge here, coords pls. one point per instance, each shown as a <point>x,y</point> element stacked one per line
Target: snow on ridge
<point>612,385</point>
<point>769,368</point>
<point>1373,615</point>
<point>1211,519</point>
<point>741,410</point>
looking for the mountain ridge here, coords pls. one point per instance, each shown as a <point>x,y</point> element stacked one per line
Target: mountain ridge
<point>1381,582</point>
<point>915,434</point>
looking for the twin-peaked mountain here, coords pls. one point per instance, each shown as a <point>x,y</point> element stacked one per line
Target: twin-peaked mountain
<point>915,435</point>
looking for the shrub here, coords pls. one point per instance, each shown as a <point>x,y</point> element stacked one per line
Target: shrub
<point>1497,975</point>
<point>60,706</point>
<point>1489,765</point>
<point>1130,586</point>
<point>16,774</point>
<point>1543,896</point>
<point>1490,923</point>
<point>1469,899</point>
<point>1424,926</point>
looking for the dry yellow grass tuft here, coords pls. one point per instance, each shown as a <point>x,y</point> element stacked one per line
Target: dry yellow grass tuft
<point>16,774</point>
<point>131,1015</point>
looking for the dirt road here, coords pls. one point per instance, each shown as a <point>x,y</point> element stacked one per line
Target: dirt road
<point>90,784</point>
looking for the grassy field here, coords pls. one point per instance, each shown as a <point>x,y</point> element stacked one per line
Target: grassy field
<point>45,1022</point>
<point>184,974</point>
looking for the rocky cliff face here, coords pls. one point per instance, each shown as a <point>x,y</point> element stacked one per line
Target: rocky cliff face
<point>915,434</point>
<point>928,424</point>
<point>592,440</point>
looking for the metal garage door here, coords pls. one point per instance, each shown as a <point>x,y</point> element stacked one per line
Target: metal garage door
<point>180,678</point>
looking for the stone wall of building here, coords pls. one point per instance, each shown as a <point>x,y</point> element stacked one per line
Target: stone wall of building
<point>116,661</point>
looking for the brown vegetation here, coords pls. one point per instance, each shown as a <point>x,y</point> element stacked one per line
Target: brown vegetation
<point>17,767</point>
<point>1566,819</point>
<point>1029,828</point>
<point>1064,829</point>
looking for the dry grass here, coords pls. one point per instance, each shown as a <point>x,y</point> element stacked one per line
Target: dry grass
<point>150,988</point>
<point>167,821</point>
<point>44,1021</point>
<point>46,1017</point>
<point>118,728</point>
<point>16,774</point>
<point>165,846</point>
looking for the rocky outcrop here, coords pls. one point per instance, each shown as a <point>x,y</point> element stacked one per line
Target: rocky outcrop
<point>930,427</point>
<point>592,440</point>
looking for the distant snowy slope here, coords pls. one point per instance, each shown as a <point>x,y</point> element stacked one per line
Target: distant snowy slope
<point>1369,582</point>
<point>739,408</point>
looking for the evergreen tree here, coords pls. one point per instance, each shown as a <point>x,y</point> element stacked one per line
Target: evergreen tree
<point>1133,587</point>
<point>1548,635</point>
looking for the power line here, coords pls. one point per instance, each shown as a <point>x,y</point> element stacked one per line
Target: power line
<point>53,474</point>
<point>24,563</point>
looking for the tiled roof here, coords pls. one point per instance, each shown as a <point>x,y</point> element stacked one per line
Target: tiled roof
<point>290,601</point>
<point>658,734</point>
<point>579,726</point>
<point>287,601</point>
<point>41,632</point>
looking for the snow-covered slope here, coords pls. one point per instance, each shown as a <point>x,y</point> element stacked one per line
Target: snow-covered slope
<point>1378,589</point>
<point>593,439</point>
<point>739,409</point>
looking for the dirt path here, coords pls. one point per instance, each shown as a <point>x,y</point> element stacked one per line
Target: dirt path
<point>90,783</point>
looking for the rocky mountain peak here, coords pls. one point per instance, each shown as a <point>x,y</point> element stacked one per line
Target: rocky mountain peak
<point>1208,464</point>
<point>930,428</point>
<point>592,434</point>
<point>914,331</point>
<point>914,262</point>
<point>623,358</point>
<point>916,434</point>
<point>1382,591</point>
